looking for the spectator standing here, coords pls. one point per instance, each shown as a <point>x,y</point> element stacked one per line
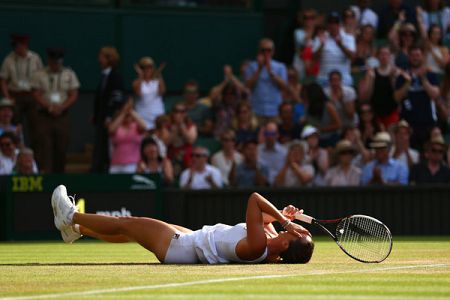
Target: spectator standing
<point>335,50</point>
<point>401,150</point>
<point>250,173</point>
<point>377,87</point>
<point>149,88</point>
<point>365,50</point>
<point>225,158</point>
<point>109,99</point>
<point>15,74</point>
<point>295,172</point>
<point>270,152</point>
<point>368,125</point>
<point>349,22</point>
<point>402,37</point>
<point>198,112</point>
<point>303,61</point>
<point>152,161</point>
<point>435,12</point>
<point>245,125</point>
<point>315,155</point>
<point>437,56</point>
<point>6,118</point>
<point>390,13</point>
<point>126,131</point>
<point>266,78</point>
<point>226,97</point>
<point>55,89</point>
<point>288,129</point>
<point>344,173</point>
<point>364,14</point>
<point>343,98</point>
<point>201,175</point>
<point>322,114</point>
<point>291,93</point>
<point>25,164</point>
<point>384,170</point>
<point>183,133</point>
<point>417,89</point>
<point>433,169</point>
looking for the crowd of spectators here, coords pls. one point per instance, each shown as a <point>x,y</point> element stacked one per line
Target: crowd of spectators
<point>376,114</point>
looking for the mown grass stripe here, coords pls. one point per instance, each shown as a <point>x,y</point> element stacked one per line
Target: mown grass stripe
<point>212,281</point>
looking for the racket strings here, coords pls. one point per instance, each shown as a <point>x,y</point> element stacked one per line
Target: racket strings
<point>364,238</point>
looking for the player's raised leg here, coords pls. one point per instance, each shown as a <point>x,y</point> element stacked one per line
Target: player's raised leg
<point>152,234</point>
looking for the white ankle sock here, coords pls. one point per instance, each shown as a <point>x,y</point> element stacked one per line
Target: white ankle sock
<point>76,228</point>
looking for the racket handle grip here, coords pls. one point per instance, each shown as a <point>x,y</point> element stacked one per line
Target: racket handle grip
<point>304,218</point>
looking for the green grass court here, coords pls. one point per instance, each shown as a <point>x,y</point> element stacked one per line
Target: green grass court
<point>416,269</point>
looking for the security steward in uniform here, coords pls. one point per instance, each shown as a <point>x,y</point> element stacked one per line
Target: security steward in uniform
<point>16,72</point>
<point>55,89</point>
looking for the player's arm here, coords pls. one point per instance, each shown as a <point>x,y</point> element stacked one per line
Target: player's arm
<point>254,245</point>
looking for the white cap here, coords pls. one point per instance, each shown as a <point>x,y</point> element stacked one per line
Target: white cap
<point>308,131</point>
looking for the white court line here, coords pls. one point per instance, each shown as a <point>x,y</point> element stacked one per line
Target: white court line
<point>209,281</point>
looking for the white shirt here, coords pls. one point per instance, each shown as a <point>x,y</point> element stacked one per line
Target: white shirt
<point>150,104</point>
<point>224,165</point>
<point>291,180</point>
<point>217,244</point>
<point>199,178</point>
<point>414,154</point>
<point>367,17</point>
<point>337,177</point>
<point>333,58</point>
<point>6,164</point>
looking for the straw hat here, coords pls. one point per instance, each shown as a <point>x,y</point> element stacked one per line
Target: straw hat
<point>438,140</point>
<point>344,145</point>
<point>381,140</point>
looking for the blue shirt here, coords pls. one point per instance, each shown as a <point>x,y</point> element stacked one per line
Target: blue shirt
<point>393,171</point>
<point>417,108</point>
<point>245,176</point>
<point>266,95</point>
<point>274,159</point>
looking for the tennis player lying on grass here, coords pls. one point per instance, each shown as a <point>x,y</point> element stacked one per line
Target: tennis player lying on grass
<point>256,241</point>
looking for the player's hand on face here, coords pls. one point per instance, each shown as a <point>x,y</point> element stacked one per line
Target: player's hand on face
<point>297,230</point>
<point>290,211</point>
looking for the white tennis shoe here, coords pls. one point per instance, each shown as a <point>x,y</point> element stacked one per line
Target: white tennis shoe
<point>69,235</point>
<point>63,208</point>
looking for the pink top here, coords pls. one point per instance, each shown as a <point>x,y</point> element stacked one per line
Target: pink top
<point>126,145</point>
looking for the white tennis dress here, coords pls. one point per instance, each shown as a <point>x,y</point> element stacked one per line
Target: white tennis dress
<point>210,245</point>
<point>150,104</point>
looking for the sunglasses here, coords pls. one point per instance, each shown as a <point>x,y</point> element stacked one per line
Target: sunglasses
<point>406,33</point>
<point>309,17</point>
<point>199,155</point>
<point>227,140</point>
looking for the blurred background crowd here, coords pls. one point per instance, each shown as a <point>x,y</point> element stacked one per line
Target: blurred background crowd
<point>364,100</point>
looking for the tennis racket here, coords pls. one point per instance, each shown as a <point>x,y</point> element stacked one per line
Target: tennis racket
<point>361,237</point>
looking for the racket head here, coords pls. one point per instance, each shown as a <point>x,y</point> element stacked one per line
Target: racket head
<point>364,238</point>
